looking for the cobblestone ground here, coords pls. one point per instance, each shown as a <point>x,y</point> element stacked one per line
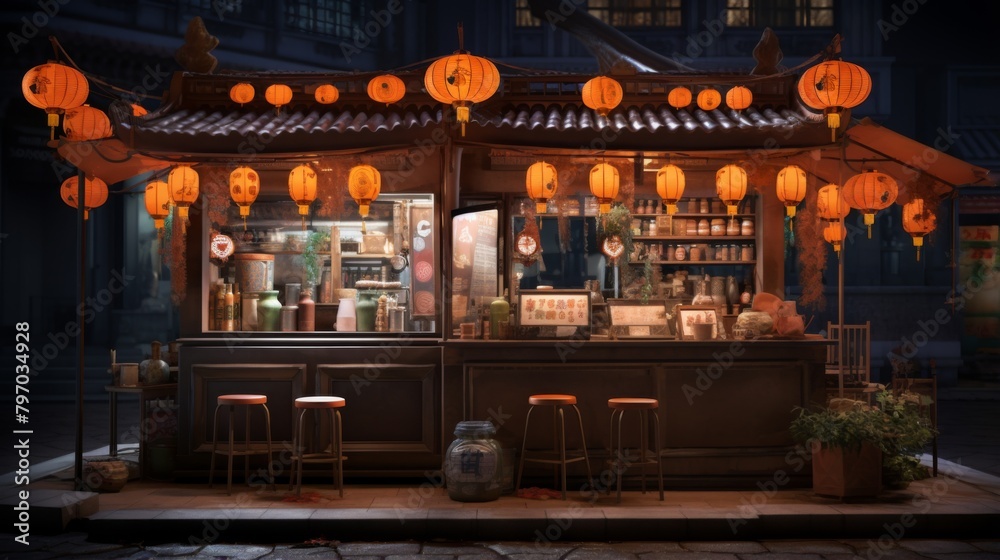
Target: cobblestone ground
<point>74,545</point>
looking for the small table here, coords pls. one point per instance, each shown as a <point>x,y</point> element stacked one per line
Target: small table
<point>145,393</point>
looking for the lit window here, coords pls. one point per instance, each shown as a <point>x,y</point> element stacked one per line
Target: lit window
<point>637,13</point>
<point>779,13</point>
<point>522,15</point>
<point>334,18</point>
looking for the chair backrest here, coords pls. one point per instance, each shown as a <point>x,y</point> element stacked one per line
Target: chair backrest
<point>853,349</point>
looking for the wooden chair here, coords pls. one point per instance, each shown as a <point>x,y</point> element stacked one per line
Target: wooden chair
<point>926,387</point>
<point>853,350</point>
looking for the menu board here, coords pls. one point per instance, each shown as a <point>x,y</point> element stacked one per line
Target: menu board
<point>631,318</point>
<point>554,313</point>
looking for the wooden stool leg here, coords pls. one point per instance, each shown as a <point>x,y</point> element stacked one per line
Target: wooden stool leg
<point>215,442</point>
<point>583,441</point>
<point>656,447</point>
<point>619,460</point>
<point>524,449</point>
<point>555,445</point>
<point>643,440</point>
<point>267,428</point>
<point>299,452</point>
<point>232,434</point>
<point>339,443</point>
<point>246,445</point>
<point>562,447</point>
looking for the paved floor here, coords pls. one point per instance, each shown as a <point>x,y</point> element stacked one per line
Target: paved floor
<point>73,545</point>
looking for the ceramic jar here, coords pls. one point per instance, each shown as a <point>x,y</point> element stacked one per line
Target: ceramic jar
<point>704,228</point>
<point>705,206</point>
<point>268,311</point>
<point>307,311</point>
<point>732,227</point>
<point>154,371</point>
<point>718,226</point>
<point>254,271</point>
<point>691,228</point>
<point>680,254</point>
<point>366,308</point>
<point>697,253</point>
<point>746,253</point>
<point>473,467</point>
<point>747,227</point>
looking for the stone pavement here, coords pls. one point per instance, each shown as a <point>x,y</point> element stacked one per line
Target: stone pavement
<point>74,545</point>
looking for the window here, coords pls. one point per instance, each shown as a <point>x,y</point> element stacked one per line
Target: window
<point>779,13</point>
<point>637,13</point>
<point>243,10</point>
<point>523,17</point>
<point>333,18</point>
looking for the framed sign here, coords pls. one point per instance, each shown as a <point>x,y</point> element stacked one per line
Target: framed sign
<point>691,317</point>
<point>556,313</point>
<point>634,319</point>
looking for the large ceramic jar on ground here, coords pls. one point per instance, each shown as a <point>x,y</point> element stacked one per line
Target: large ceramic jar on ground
<point>365,310</point>
<point>473,463</point>
<point>269,311</point>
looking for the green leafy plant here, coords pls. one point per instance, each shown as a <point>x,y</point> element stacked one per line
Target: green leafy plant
<point>895,425</point>
<point>618,222</point>
<point>316,241</point>
<point>647,274</point>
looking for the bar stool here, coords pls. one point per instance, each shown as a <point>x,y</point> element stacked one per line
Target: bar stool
<point>557,402</point>
<point>618,407</point>
<point>232,401</point>
<point>336,440</point>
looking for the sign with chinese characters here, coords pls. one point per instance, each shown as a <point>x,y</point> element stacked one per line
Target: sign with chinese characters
<point>554,313</point>
<point>985,234</point>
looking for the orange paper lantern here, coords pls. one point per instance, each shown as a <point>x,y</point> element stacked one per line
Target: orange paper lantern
<point>139,110</point>
<point>86,123</point>
<point>739,98</point>
<point>731,186</point>
<point>918,221</point>
<point>461,79</point>
<point>244,186</point>
<point>679,97</point>
<point>241,93</point>
<point>54,87</point>
<point>278,95</point>
<point>670,186</point>
<point>327,94</point>
<point>96,193</point>
<point>183,182</point>
<point>791,187</point>
<point>830,203</point>
<point>157,200</point>
<point>604,183</point>
<point>835,233</point>
<point>709,99</point>
<point>602,94</point>
<point>832,86</point>
<point>386,89</point>
<point>541,182</point>
<point>302,181</point>
<point>364,182</point>
<point>870,192</point>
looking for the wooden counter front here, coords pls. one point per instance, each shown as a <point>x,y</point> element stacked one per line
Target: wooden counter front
<point>725,406</point>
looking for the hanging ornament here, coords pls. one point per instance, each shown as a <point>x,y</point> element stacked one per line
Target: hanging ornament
<point>679,97</point>
<point>731,186</point>
<point>834,233</point>
<point>670,187</point>
<point>461,79</point>
<point>278,95</point>
<point>709,99</point>
<point>830,204</point>
<point>833,86</point>
<point>364,183</point>
<point>327,94</point>
<point>241,93</point>
<point>602,94</point>
<point>739,98</point>
<point>183,181</point>
<point>386,89</point>
<point>55,88</point>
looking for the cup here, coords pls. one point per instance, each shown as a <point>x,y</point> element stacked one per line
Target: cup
<point>129,374</point>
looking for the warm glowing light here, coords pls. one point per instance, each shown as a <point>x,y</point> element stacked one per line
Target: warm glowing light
<point>157,201</point>
<point>96,193</point>
<point>870,192</point>
<point>364,183</point>
<point>791,187</point>
<point>604,185</point>
<point>731,186</point>
<point>541,182</point>
<point>670,186</point>
<point>244,186</point>
<point>602,94</point>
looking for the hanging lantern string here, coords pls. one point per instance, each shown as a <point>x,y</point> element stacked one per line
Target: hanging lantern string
<point>94,77</point>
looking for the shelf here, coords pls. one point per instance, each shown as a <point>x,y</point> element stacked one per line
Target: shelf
<point>698,263</point>
<point>695,237</point>
<point>696,215</point>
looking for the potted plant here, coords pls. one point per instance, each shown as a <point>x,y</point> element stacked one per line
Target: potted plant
<point>857,447</point>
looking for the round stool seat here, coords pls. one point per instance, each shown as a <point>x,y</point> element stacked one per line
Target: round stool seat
<point>242,399</point>
<point>320,401</point>
<point>551,400</point>
<point>628,403</point>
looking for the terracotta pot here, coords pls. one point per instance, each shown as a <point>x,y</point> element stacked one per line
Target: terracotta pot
<point>844,473</point>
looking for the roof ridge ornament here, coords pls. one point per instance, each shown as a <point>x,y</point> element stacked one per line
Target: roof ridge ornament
<point>767,53</point>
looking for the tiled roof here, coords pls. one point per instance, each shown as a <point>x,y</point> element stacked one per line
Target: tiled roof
<point>978,145</point>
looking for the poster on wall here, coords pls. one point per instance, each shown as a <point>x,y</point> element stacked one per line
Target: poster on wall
<point>422,259</point>
<point>474,258</point>
<point>979,282</point>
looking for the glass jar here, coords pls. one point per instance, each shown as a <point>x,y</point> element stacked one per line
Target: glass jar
<point>474,463</point>
<point>704,206</point>
<point>365,310</point>
<point>747,227</point>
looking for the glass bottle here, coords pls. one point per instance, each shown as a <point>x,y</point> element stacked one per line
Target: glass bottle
<point>227,319</point>
<point>220,306</point>
<point>499,311</point>
<point>237,308</point>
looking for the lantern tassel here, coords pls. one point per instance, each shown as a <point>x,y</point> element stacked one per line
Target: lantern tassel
<point>918,254</point>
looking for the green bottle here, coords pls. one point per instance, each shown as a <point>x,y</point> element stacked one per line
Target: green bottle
<point>499,311</point>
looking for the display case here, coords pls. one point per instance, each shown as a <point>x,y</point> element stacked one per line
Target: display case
<point>278,254</point>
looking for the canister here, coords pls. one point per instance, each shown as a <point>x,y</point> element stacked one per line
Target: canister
<point>254,271</point>
<point>289,317</point>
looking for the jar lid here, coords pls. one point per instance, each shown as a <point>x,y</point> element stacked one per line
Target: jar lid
<point>475,429</point>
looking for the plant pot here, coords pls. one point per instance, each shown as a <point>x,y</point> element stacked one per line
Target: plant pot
<point>847,473</point>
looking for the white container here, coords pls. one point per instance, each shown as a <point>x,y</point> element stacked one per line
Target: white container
<point>347,320</point>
